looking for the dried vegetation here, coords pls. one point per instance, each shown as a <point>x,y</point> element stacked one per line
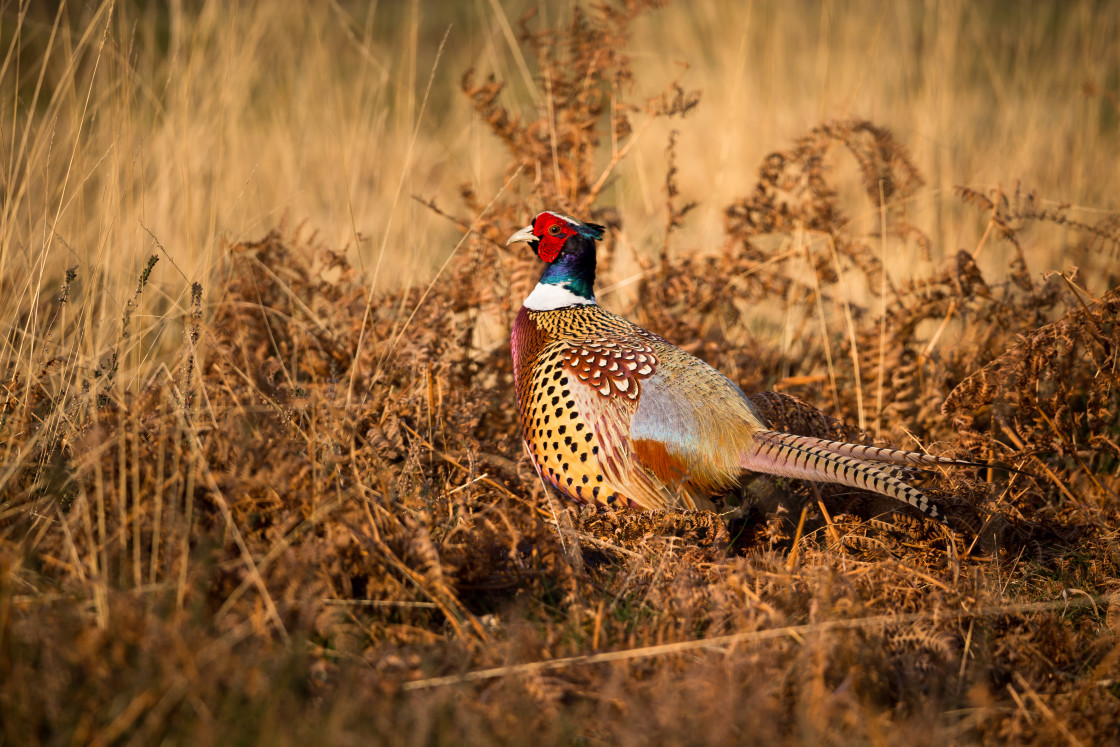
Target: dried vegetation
<point>316,522</point>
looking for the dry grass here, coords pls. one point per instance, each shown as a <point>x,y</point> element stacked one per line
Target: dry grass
<point>272,490</point>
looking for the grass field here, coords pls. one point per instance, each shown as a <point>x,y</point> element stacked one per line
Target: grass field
<point>261,475</point>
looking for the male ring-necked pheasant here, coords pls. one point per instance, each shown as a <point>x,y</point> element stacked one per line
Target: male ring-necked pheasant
<point>615,415</point>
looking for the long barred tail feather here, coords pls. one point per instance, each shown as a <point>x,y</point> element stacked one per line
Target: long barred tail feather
<point>874,453</point>
<point>901,472</point>
<point>805,458</point>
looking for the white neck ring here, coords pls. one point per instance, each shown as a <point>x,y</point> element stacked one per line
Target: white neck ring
<point>546,297</point>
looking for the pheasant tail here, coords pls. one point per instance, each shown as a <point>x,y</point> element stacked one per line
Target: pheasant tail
<point>807,458</point>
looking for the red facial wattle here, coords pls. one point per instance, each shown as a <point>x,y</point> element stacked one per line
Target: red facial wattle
<point>549,248</point>
<point>552,232</point>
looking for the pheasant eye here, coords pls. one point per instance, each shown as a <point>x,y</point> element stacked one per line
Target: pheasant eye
<point>554,229</point>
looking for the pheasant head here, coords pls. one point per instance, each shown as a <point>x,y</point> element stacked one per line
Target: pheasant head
<point>568,246</point>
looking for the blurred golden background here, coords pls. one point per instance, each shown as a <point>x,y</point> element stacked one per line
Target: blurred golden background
<point>185,122</point>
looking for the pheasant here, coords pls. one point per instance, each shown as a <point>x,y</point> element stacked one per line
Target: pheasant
<point>612,414</point>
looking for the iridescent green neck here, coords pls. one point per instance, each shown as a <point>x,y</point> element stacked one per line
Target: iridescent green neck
<point>574,269</point>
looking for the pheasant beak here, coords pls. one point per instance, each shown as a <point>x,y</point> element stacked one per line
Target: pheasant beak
<point>525,234</point>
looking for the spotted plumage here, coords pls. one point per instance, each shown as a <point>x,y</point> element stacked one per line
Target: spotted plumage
<point>615,415</point>
<point>610,368</point>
